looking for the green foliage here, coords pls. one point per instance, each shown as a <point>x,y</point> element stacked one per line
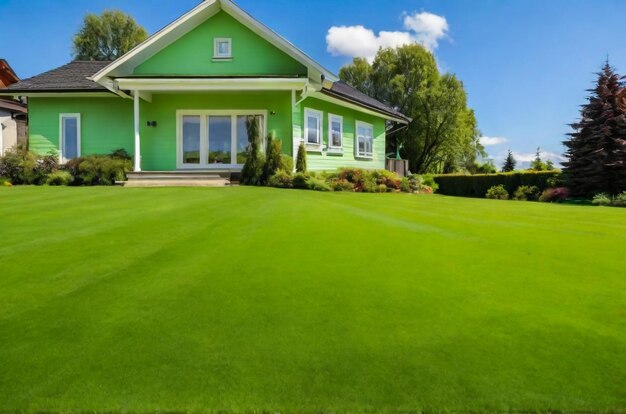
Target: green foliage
<point>108,36</point>
<point>620,199</point>
<point>477,185</point>
<point>122,154</point>
<point>339,184</point>
<point>21,166</point>
<point>98,169</point>
<point>300,180</point>
<point>282,179</point>
<point>429,180</point>
<point>387,178</point>
<point>317,184</point>
<point>253,168</point>
<point>5,182</point>
<point>497,192</point>
<point>527,193</point>
<point>485,168</point>
<point>286,162</point>
<point>554,195</point>
<point>602,199</point>
<point>443,135</point>
<point>596,150</point>
<point>272,159</point>
<point>60,178</point>
<point>301,159</point>
<point>509,163</point>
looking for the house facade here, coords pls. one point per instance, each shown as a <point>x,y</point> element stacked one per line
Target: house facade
<point>180,100</point>
<point>13,113</point>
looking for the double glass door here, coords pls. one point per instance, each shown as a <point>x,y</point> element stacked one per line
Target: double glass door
<point>216,138</point>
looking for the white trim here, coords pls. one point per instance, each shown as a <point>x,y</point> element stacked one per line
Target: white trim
<point>62,116</point>
<point>216,84</point>
<point>216,43</point>
<point>335,148</point>
<point>204,135</point>
<point>1,140</point>
<point>192,19</point>
<point>136,115</point>
<point>320,136</point>
<point>356,140</point>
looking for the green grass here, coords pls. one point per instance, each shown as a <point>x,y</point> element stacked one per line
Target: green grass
<point>251,299</point>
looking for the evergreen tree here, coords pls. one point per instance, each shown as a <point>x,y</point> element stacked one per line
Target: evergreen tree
<point>537,164</point>
<point>509,163</point>
<point>272,158</point>
<point>251,171</point>
<point>301,159</point>
<point>596,149</point>
<point>550,165</point>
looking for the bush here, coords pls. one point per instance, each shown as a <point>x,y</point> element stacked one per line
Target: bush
<point>620,199</point>
<point>497,192</point>
<point>21,166</point>
<point>4,182</point>
<point>286,162</point>
<point>301,159</point>
<point>60,178</point>
<point>387,178</point>
<point>318,184</point>
<point>552,195</point>
<point>299,181</point>
<point>426,190</point>
<point>477,185</point>
<point>429,180</point>
<point>339,184</point>
<point>282,179</point>
<point>272,159</point>
<point>98,169</point>
<point>122,154</point>
<point>602,199</point>
<point>526,193</point>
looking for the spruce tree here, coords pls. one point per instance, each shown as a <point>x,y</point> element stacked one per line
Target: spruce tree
<point>251,171</point>
<point>272,158</point>
<point>509,163</point>
<point>537,164</point>
<point>596,149</point>
<point>301,159</point>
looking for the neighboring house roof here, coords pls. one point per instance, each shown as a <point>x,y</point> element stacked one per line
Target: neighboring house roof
<point>7,74</point>
<point>13,106</point>
<point>344,91</point>
<point>72,77</point>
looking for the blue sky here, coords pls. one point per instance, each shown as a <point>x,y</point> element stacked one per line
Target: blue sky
<point>525,64</point>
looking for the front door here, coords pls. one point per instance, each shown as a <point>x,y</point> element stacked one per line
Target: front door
<point>215,139</point>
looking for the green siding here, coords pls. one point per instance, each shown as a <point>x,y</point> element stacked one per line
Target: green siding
<point>106,123</point>
<point>192,54</point>
<point>323,161</point>
<point>158,150</point>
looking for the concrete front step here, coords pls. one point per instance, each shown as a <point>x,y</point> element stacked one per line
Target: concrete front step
<point>177,183</point>
<point>177,179</point>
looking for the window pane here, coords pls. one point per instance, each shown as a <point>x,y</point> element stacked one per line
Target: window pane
<point>242,136</point>
<point>70,138</point>
<point>313,130</point>
<point>219,139</point>
<point>336,133</point>
<point>191,139</point>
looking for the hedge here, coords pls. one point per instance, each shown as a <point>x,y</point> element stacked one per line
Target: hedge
<point>462,185</point>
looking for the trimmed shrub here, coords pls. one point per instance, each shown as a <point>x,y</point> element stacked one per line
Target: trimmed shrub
<point>301,159</point>
<point>387,178</point>
<point>299,180</point>
<point>21,166</point>
<point>602,199</point>
<point>98,169</point>
<point>477,185</point>
<point>60,178</point>
<point>253,167</point>
<point>272,158</point>
<point>318,184</point>
<point>282,179</point>
<point>339,184</point>
<point>554,195</point>
<point>526,193</point>
<point>429,180</point>
<point>286,162</point>
<point>497,192</point>
<point>426,190</point>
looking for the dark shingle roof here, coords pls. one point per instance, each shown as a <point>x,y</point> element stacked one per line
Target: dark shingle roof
<point>67,78</point>
<point>344,91</point>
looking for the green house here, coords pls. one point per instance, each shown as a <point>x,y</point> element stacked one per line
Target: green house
<point>180,100</point>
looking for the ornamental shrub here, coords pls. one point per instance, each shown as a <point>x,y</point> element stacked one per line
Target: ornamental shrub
<point>620,199</point>
<point>4,182</point>
<point>282,179</point>
<point>253,167</point>
<point>554,195</point>
<point>602,199</point>
<point>429,180</point>
<point>301,159</point>
<point>340,184</point>
<point>497,192</point>
<point>299,180</point>
<point>387,178</point>
<point>526,193</point>
<point>98,169</point>
<point>286,163</point>
<point>60,178</point>
<point>318,184</point>
<point>272,158</point>
<point>21,166</point>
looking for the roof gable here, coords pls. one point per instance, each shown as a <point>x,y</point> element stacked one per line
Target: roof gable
<point>192,54</point>
<point>127,64</point>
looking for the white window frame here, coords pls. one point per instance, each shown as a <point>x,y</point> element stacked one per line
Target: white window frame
<point>204,136</point>
<point>216,50</point>
<point>331,147</point>
<point>320,117</point>
<point>357,153</point>
<point>63,116</point>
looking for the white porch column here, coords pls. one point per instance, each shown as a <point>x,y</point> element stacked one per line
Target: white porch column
<point>137,138</point>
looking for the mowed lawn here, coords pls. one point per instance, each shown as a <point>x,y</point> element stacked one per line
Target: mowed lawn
<point>256,299</point>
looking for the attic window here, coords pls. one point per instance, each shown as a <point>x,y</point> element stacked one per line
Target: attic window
<point>222,48</point>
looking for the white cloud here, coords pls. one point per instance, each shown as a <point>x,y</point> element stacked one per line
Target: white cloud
<point>545,156</point>
<point>489,141</point>
<point>358,41</point>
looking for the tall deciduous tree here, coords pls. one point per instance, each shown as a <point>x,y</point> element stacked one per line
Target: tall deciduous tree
<point>596,150</point>
<point>509,163</point>
<point>443,130</point>
<point>108,36</point>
